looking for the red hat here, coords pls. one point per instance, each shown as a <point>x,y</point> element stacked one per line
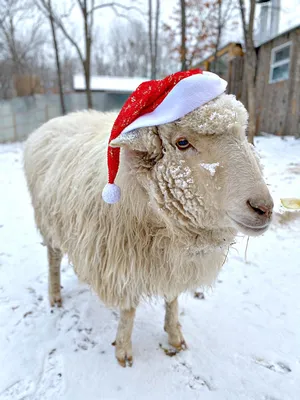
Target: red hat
<point>159,102</point>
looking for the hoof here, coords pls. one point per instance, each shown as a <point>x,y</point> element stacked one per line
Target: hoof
<point>125,362</point>
<point>174,350</point>
<point>123,354</point>
<point>55,300</point>
<point>175,338</point>
<point>179,346</point>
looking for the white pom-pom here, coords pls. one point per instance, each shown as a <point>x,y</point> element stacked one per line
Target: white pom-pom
<point>111,193</point>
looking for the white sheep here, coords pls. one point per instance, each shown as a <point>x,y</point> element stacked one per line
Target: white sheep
<point>187,187</point>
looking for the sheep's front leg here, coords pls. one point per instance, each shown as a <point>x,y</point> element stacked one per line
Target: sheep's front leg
<point>173,327</point>
<point>123,339</point>
<point>54,260</point>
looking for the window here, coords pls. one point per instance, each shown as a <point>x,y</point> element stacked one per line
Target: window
<point>280,62</point>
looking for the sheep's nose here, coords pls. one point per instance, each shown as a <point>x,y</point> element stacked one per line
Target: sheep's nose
<point>261,208</point>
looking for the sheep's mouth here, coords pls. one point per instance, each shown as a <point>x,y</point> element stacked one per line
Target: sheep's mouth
<point>250,229</point>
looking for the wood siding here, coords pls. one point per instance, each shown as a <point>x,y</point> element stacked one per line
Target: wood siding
<point>278,104</point>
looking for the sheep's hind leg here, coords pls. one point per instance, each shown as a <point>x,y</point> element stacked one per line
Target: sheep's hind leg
<point>123,339</point>
<point>54,260</point>
<point>173,327</point>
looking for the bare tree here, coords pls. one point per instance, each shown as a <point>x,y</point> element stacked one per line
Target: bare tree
<point>125,55</point>
<point>193,31</point>
<point>156,33</point>
<point>6,84</point>
<point>166,62</point>
<point>103,59</point>
<point>223,17</point>
<point>150,35</point>
<point>250,65</point>
<point>45,6</point>
<point>20,41</point>
<point>70,65</point>
<point>153,40</point>
<point>88,9</point>
<point>18,46</point>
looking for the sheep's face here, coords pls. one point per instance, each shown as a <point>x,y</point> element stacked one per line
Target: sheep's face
<point>200,172</point>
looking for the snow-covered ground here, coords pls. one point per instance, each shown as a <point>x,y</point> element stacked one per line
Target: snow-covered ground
<point>244,338</point>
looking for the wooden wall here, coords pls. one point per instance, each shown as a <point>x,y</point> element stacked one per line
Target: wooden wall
<point>236,81</point>
<point>278,104</point>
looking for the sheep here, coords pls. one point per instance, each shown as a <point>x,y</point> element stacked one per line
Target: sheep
<point>180,211</point>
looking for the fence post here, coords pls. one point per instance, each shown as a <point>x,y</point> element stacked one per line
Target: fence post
<point>46,113</point>
<point>15,127</point>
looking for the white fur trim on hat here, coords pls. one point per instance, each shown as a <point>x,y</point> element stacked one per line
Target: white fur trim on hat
<point>189,94</point>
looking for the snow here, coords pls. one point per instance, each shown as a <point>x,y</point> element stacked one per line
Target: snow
<point>211,168</point>
<point>244,337</point>
<point>109,83</point>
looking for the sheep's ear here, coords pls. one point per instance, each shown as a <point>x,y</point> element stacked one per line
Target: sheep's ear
<point>142,139</point>
<point>127,139</point>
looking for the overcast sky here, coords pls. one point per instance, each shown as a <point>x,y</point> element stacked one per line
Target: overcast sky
<point>289,16</point>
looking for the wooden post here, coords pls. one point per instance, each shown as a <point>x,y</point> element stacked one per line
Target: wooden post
<point>46,113</point>
<point>229,76</point>
<point>15,127</point>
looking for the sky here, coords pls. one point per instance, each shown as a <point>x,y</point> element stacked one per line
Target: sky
<point>105,18</point>
<point>289,15</point>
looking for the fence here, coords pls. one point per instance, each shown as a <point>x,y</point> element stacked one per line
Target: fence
<point>20,116</point>
<point>16,126</point>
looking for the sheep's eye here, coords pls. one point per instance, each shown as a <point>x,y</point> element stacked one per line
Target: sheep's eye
<point>183,144</point>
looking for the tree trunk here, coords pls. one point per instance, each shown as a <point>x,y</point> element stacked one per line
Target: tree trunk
<point>250,66</point>
<point>252,113</point>
<point>58,70</point>
<point>87,76</point>
<point>183,36</point>
<point>87,61</point>
<point>157,13</point>
<point>219,32</point>
<point>150,38</point>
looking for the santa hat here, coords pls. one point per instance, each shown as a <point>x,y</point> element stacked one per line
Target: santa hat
<point>159,102</point>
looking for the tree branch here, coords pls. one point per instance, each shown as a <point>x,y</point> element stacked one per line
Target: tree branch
<point>115,5</point>
<point>251,23</point>
<point>245,28</point>
<point>92,16</point>
<point>44,7</point>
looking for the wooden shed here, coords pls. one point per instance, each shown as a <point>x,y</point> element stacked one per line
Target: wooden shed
<point>109,92</point>
<point>278,84</point>
<point>278,80</point>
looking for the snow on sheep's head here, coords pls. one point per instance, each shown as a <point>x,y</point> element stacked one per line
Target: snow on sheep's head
<point>199,172</point>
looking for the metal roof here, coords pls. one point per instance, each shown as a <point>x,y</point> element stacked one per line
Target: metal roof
<point>278,35</point>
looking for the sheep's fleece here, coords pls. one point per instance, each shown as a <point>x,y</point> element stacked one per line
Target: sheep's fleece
<point>171,231</point>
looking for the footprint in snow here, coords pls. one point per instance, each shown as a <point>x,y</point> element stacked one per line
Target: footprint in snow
<point>194,381</point>
<point>18,390</point>
<point>50,381</point>
<point>69,322</point>
<point>279,367</point>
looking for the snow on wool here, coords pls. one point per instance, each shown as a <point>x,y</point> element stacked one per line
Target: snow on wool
<point>210,167</point>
